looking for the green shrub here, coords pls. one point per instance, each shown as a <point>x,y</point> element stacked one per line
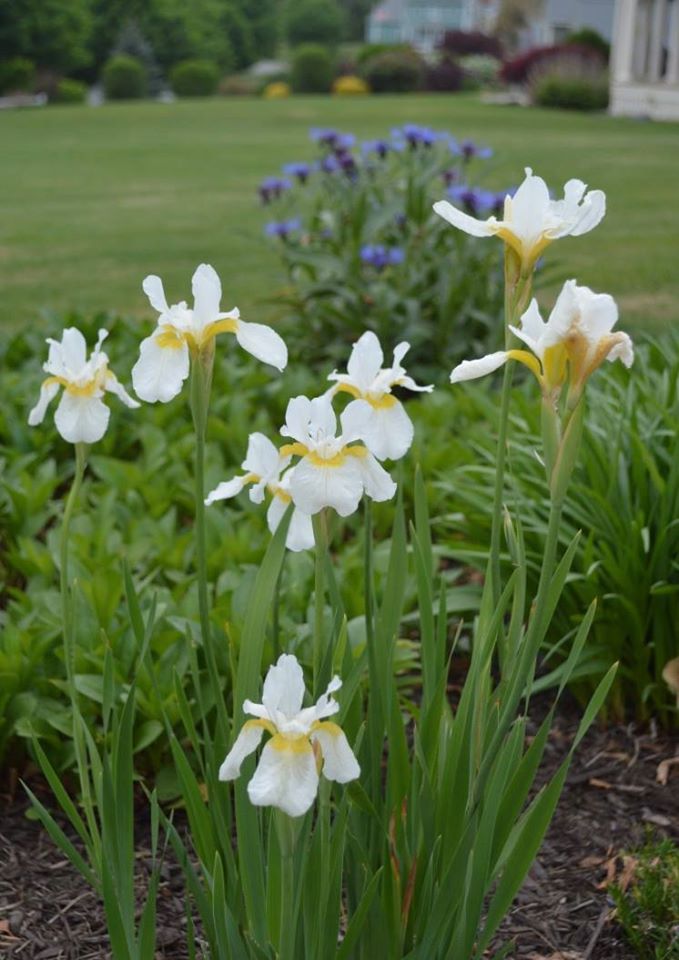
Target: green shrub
<point>312,69</point>
<point>370,50</point>
<point>17,75</point>
<point>313,21</point>
<point>570,93</point>
<point>590,38</point>
<point>395,72</point>
<point>648,909</point>
<point>124,78</point>
<point>483,69</point>
<point>194,78</point>
<point>70,91</point>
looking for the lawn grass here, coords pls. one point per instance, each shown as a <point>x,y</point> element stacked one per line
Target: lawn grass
<point>94,199</point>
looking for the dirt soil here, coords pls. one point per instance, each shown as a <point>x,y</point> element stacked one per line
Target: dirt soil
<point>618,788</point>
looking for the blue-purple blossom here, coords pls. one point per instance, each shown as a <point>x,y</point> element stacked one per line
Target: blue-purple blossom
<point>415,135</point>
<point>272,187</point>
<point>329,164</point>
<point>300,170</point>
<point>344,141</point>
<point>467,149</point>
<point>474,200</point>
<point>450,176</point>
<point>380,147</point>
<point>378,256</point>
<point>282,228</point>
<point>333,139</point>
<point>346,161</point>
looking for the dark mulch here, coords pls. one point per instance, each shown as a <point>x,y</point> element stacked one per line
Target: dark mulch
<point>563,912</point>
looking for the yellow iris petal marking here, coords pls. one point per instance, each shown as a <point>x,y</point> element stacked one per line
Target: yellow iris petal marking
<point>170,338</point>
<point>338,459</point>
<point>285,744</point>
<point>86,390</point>
<point>280,493</point>
<point>382,402</point>
<point>264,724</point>
<point>228,325</point>
<point>554,365</point>
<point>293,450</point>
<point>327,726</point>
<point>528,360</point>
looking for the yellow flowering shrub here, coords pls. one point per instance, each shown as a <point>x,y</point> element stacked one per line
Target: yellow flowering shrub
<point>350,86</point>
<point>276,91</point>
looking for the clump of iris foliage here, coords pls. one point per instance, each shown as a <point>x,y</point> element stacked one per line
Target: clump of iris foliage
<point>405,825</point>
<point>363,250</point>
<point>648,908</point>
<point>625,500</point>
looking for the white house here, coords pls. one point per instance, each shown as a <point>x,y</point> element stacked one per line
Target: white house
<point>559,18</point>
<point>421,23</point>
<point>645,59</point>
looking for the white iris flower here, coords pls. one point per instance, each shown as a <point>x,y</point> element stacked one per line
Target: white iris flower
<point>164,360</point>
<point>388,432</point>
<point>263,465</point>
<point>82,416</point>
<point>334,471</point>
<point>532,219</point>
<point>576,339</point>
<point>302,741</point>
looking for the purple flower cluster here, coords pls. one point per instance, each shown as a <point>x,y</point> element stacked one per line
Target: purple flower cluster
<point>378,256</point>
<point>467,149</point>
<point>380,147</point>
<point>299,169</point>
<point>282,228</point>
<point>477,201</point>
<point>416,136</point>
<point>272,187</point>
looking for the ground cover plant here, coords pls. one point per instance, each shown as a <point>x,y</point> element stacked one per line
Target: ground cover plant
<point>410,821</point>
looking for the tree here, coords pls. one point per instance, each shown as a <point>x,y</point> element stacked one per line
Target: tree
<point>313,21</point>
<point>355,15</point>
<point>239,30</point>
<point>54,34</point>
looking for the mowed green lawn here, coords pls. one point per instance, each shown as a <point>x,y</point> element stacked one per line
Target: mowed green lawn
<point>94,199</point>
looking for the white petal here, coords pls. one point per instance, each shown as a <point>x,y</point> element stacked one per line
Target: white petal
<point>326,706</point>
<point>354,419</point>
<point>286,777</point>
<point>598,313</point>
<point>471,369</point>
<point>314,486</point>
<point>461,220</point>
<point>73,350</point>
<point>153,288</point>
<point>565,313</point>
<point>48,392</point>
<point>365,361</point>
<point>532,327</point>
<point>225,490</point>
<point>262,458</point>
<point>378,484</point>
<point>297,418</point>
<point>410,384</point>
<point>81,419</point>
<point>284,687</point>
<point>339,762</point>
<point>263,343</point>
<point>529,209</point>
<point>113,385</point>
<point>207,293</point>
<point>623,351</point>
<point>592,211</point>
<point>160,372</point>
<point>400,351</point>
<point>246,743</point>
<point>323,420</point>
<point>301,530</point>
<point>389,432</point>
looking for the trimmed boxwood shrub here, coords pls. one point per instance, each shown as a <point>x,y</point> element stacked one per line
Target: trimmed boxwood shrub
<point>571,93</point>
<point>312,69</point>
<point>17,75</point>
<point>124,78</point>
<point>70,91</point>
<point>194,78</point>
<point>395,72</point>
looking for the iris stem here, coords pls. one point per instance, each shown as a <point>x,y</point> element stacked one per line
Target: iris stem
<point>368,570</point>
<point>66,605</point>
<point>320,522</point>
<point>287,841</point>
<point>201,380</point>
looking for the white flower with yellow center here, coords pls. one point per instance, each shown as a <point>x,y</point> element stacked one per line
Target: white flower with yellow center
<point>334,471</point>
<point>575,340</point>
<point>164,360</point>
<point>388,432</point>
<point>263,465</point>
<point>302,742</point>
<point>82,416</point>
<point>532,219</point>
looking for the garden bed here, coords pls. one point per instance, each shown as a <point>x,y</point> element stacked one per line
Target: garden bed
<point>613,796</point>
